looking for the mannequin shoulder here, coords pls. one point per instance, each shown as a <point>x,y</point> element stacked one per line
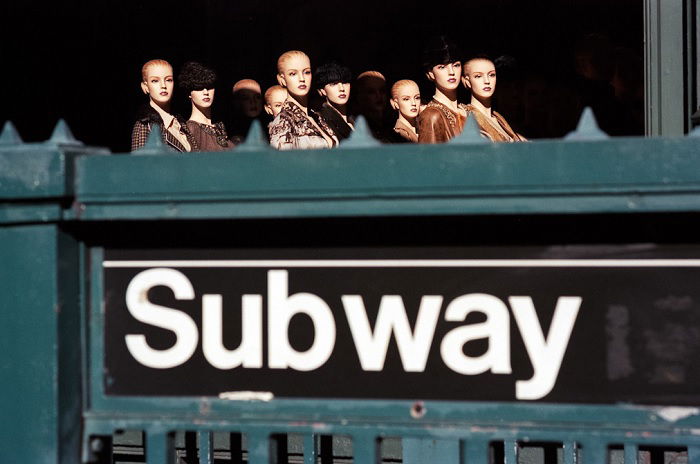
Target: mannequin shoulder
<point>430,115</point>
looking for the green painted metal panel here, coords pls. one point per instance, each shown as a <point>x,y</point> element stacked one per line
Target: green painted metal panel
<point>616,175</point>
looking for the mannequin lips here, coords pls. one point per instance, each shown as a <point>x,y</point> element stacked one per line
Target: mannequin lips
<point>486,89</point>
<point>343,96</point>
<point>302,87</point>
<point>163,94</point>
<point>451,80</point>
<point>206,99</point>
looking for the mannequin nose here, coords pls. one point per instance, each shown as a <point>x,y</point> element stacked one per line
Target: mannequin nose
<point>451,69</point>
<point>341,88</point>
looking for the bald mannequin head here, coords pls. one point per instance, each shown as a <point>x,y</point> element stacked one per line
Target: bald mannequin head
<point>247,98</point>
<point>294,73</point>
<point>274,99</point>
<point>370,94</point>
<point>479,76</point>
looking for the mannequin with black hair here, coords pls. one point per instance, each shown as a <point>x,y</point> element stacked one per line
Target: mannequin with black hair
<point>199,82</point>
<point>333,83</point>
<point>443,117</point>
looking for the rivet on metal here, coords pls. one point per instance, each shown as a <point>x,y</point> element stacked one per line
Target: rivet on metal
<point>154,144</point>
<point>9,135</point>
<point>470,135</point>
<point>361,137</point>
<point>587,128</point>
<point>255,140</point>
<point>62,135</point>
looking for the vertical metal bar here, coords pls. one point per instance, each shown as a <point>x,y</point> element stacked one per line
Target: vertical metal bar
<point>594,452</point>
<point>570,452</point>
<point>258,448</point>
<point>475,452</point>
<point>206,448</point>
<point>365,448</point>
<point>159,447</point>
<point>421,450</point>
<point>694,455</point>
<point>236,448</point>
<point>310,452</point>
<point>510,451</point>
<point>631,453</point>
<point>664,80</point>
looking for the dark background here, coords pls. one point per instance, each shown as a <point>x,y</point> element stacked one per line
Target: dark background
<point>81,60</point>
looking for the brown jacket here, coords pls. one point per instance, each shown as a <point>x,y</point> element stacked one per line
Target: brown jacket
<point>437,123</point>
<point>208,138</point>
<point>490,131</point>
<point>405,132</point>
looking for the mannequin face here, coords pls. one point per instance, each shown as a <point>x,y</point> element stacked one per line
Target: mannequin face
<point>446,76</point>
<point>159,83</point>
<point>202,98</point>
<point>247,98</point>
<point>296,75</point>
<point>371,96</point>
<point>337,93</point>
<point>273,105</point>
<point>480,78</point>
<point>407,102</point>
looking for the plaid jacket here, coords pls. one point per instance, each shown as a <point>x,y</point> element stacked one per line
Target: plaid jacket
<point>142,128</point>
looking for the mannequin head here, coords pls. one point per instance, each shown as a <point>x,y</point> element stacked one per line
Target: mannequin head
<point>247,98</point>
<point>442,63</point>
<point>370,94</point>
<point>294,73</point>
<point>198,81</point>
<point>157,82</point>
<point>274,99</point>
<point>480,78</point>
<point>333,83</point>
<point>405,98</point>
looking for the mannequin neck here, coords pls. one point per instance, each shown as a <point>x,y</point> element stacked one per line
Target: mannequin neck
<point>410,122</point>
<point>342,109</point>
<point>163,106</point>
<point>301,101</point>
<point>201,115</point>
<point>447,97</point>
<point>482,104</point>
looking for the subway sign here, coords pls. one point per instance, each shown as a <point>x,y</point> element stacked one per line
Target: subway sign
<point>585,324</point>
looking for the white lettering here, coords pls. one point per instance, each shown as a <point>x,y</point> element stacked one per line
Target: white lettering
<point>249,352</point>
<point>160,316</point>
<point>372,346</point>
<point>496,328</point>
<point>281,308</point>
<point>545,355</point>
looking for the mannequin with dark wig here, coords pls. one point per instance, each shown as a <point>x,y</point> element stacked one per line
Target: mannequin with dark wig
<point>443,117</point>
<point>333,83</point>
<point>199,81</point>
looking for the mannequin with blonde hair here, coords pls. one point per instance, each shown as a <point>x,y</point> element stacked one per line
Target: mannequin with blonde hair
<point>297,126</point>
<point>405,98</point>
<point>158,83</point>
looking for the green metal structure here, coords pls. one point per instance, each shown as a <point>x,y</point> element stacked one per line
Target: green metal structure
<point>61,203</point>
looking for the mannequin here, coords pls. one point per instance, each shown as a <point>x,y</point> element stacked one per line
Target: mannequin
<point>198,81</point>
<point>370,101</point>
<point>247,105</point>
<point>157,82</point>
<point>333,83</point>
<point>480,78</point>
<point>405,98</point>
<point>297,126</point>
<point>443,117</point>
<point>274,99</point>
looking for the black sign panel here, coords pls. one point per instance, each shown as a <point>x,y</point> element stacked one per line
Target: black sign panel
<point>587,324</point>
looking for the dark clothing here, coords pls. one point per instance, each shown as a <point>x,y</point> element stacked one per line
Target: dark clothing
<point>145,120</point>
<point>208,138</point>
<point>335,121</point>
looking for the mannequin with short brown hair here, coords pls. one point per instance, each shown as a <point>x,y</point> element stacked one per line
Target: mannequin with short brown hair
<point>297,126</point>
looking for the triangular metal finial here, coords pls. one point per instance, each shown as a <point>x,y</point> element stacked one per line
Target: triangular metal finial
<point>9,135</point>
<point>62,135</point>
<point>361,137</point>
<point>154,144</point>
<point>255,140</point>
<point>695,133</point>
<point>587,128</point>
<point>470,135</point>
